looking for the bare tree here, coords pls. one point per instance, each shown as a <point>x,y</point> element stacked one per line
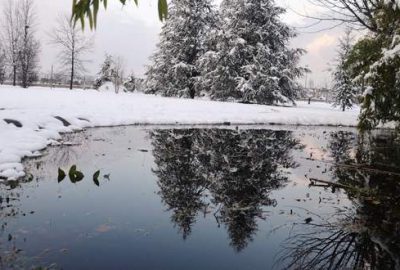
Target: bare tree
<point>11,36</point>
<point>2,65</point>
<point>118,72</point>
<point>73,45</point>
<point>28,46</point>
<point>358,13</point>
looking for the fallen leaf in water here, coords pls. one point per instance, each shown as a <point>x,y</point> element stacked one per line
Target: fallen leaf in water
<point>96,178</point>
<point>103,228</point>
<point>61,175</point>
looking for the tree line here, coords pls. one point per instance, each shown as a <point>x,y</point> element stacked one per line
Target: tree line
<point>220,61</point>
<point>20,46</point>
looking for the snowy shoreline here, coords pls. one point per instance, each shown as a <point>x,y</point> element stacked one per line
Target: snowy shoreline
<point>46,113</point>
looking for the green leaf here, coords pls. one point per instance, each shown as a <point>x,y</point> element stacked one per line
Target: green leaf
<point>72,170</point>
<point>162,9</point>
<point>90,9</point>
<point>96,178</point>
<point>95,11</point>
<point>61,175</point>
<point>75,175</point>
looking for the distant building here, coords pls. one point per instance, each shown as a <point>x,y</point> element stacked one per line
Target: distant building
<point>319,94</point>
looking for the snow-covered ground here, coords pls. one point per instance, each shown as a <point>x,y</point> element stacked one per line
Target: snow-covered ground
<point>37,109</point>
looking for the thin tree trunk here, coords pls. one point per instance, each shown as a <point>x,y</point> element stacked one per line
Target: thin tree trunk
<point>71,83</point>
<point>14,75</point>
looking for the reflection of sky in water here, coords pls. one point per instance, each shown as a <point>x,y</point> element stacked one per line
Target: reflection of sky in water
<point>123,224</point>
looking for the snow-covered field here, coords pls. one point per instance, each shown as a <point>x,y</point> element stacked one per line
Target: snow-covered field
<point>37,109</point>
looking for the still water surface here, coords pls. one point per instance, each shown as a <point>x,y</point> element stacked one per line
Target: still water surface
<point>207,198</point>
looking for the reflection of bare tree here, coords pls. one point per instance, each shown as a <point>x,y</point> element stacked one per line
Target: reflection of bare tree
<point>72,146</point>
<point>368,236</point>
<point>352,242</point>
<point>237,168</point>
<point>10,209</point>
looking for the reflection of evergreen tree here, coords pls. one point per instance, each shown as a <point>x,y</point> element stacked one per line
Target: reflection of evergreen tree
<point>369,235</point>
<point>238,168</point>
<point>181,188</point>
<point>380,212</point>
<point>243,167</point>
<point>340,145</point>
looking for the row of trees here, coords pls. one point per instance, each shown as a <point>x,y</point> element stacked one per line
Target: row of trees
<point>20,47</point>
<point>239,52</point>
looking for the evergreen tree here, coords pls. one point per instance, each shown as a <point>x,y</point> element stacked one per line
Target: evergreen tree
<point>174,70</point>
<point>105,74</point>
<point>130,83</point>
<point>374,63</point>
<point>345,89</point>
<point>111,71</point>
<point>250,60</point>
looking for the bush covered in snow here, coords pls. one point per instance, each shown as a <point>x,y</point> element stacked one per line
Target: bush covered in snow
<point>111,75</point>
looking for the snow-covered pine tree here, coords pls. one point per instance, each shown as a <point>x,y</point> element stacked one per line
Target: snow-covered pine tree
<point>344,88</point>
<point>251,61</point>
<point>130,83</point>
<point>111,73</point>
<point>174,71</point>
<point>105,72</point>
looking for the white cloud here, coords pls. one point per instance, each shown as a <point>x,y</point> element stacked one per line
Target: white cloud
<point>321,42</point>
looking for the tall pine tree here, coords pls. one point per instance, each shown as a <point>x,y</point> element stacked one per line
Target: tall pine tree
<point>250,60</point>
<point>344,89</point>
<point>174,70</point>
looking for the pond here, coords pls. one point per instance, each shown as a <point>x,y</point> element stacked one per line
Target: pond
<point>207,198</point>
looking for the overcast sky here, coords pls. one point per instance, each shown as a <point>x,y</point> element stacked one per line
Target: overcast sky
<point>132,33</point>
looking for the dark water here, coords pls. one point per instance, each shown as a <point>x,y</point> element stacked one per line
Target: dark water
<point>208,199</point>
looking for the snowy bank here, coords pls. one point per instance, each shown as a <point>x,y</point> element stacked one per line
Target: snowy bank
<point>44,113</point>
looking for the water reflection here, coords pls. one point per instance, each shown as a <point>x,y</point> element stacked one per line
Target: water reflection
<point>226,191</point>
<point>11,209</point>
<point>182,188</point>
<point>234,171</point>
<point>367,235</point>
